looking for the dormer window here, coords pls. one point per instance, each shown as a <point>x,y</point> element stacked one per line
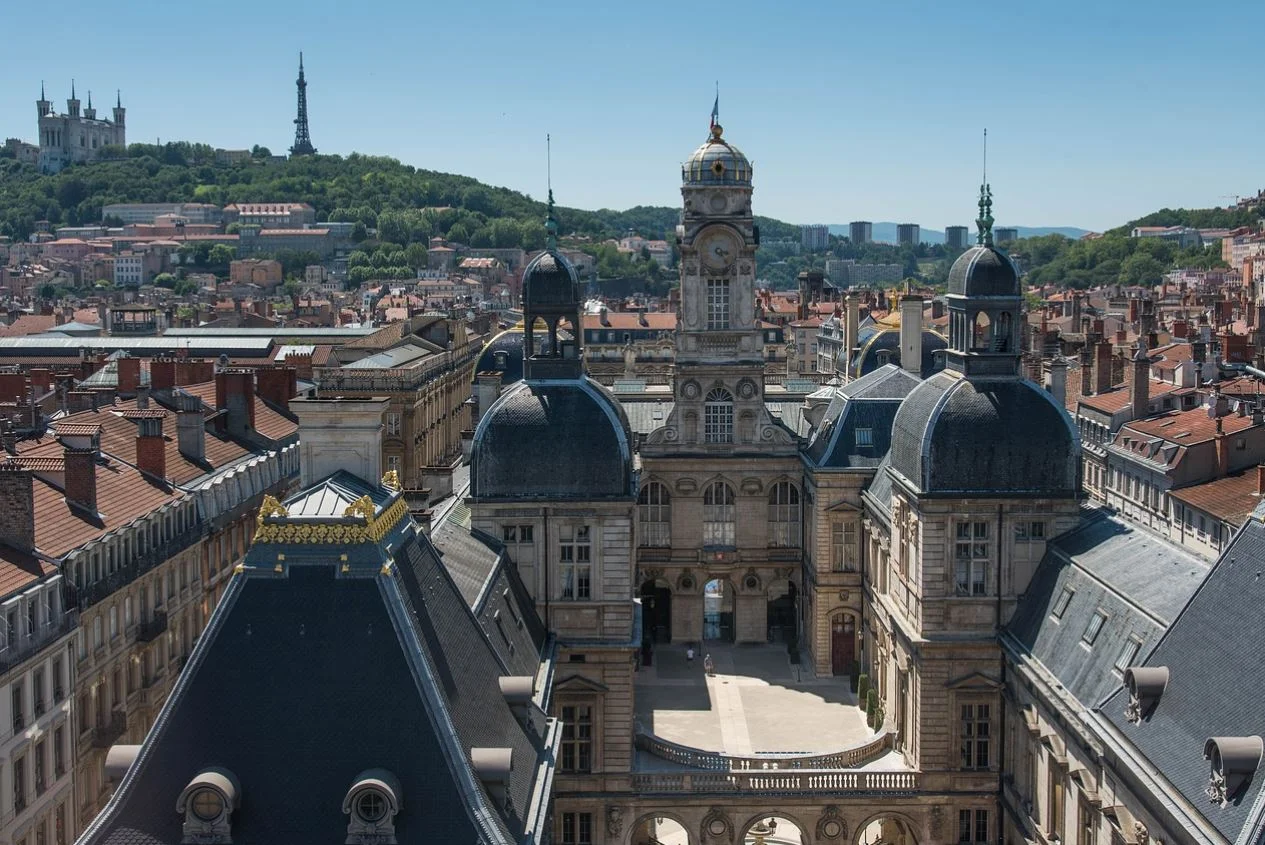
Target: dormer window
<point>371,804</point>
<point>207,804</point>
<point>1146,684</point>
<point>1232,763</point>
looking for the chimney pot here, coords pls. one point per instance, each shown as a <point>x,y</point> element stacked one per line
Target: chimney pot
<point>151,447</point>
<point>1260,480</point>
<point>17,506</point>
<point>190,427</point>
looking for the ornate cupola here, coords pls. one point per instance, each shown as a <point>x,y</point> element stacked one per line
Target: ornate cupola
<point>551,295</point>
<point>984,306</point>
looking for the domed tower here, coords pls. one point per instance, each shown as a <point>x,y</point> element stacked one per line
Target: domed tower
<point>719,364</point>
<point>979,428</point>
<point>556,434</point>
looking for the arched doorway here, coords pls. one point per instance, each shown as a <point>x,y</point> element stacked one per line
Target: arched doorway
<point>843,639</point>
<point>718,611</point>
<point>773,830</point>
<point>656,611</point>
<point>781,611</point>
<point>886,830</point>
<point>659,830</point>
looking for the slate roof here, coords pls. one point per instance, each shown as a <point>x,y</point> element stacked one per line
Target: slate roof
<point>880,490</point>
<point>375,661</point>
<point>983,271</point>
<point>888,340</point>
<point>509,342</point>
<point>954,435</point>
<point>1137,579</point>
<point>1215,654</point>
<point>550,280</point>
<point>554,440</point>
<point>870,402</point>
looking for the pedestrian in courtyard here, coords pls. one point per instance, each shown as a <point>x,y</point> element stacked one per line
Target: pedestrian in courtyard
<point>689,652</point>
<point>708,666</point>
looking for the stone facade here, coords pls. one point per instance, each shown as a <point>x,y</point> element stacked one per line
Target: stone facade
<point>78,135</point>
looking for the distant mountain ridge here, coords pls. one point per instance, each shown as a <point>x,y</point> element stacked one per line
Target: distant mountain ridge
<point>885,232</point>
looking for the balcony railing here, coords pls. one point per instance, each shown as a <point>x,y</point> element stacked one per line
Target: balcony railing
<point>152,628</point>
<point>779,782</point>
<point>683,755</point>
<point>15,653</point>
<point>137,566</point>
<point>103,736</point>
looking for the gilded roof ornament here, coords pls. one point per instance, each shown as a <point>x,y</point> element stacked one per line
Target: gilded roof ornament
<point>391,481</point>
<point>270,507</point>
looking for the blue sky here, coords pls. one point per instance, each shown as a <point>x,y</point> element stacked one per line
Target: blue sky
<point>1097,112</point>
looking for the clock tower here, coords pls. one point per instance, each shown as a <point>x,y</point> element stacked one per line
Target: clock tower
<point>719,379</point>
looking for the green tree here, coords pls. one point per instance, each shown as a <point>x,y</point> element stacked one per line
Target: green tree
<point>1140,269</point>
<point>415,255</point>
<point>165,280</point>
<point>458,234</point>
<point>220,256</point>
<point>48,292</point>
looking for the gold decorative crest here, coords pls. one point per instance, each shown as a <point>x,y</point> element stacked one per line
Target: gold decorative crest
<point>391,481</point>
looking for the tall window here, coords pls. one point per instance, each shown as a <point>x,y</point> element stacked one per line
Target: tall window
<point>1087,824</point>
<point>718,515</point>
<point>976,735</point>
<point>577,738</point>
<point>393,424</point>
<point>972,826</point>
<point>970,559</point>
<point>19,715</point>
<point>38,754</point>
<point>843,546</point>
<point>654,515</point>
<point>718,416</point>
<point>1058,798</point>
<point>37,692</point>
<point>784,525</point>
<point>59,751</point>
<point>575,557</point>
<point>717,303</point>
<point>577,829</point>
<point>19,784</point>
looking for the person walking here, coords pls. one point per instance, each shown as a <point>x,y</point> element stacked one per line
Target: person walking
<point>708,666</point>
<point>689,653</point>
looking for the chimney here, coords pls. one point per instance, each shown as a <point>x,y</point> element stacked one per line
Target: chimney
<point>1102,367</point>
<point>911,333</point>
<point>162,373</point>
<point>937,308</point>
<point>1223,450</point>
<point>1076,309</point>
<point>1199,354</point>
<point>1087,370</point>
<point>41,381</point>
<point>151,446</point>
<point>1140,390</point>
<point>129,375</point>
<point>603,318</point>
<point>17,506</point>
<point>81,447</point>
<point>1260,480</point>
<point>852,321</point>
<point>142,398</point>
<point>235,394</point>
<point>277,384</point>
<point>1058,381</point>
<point>190,427</point>
<point>641,317</point>
<point>340,433</point>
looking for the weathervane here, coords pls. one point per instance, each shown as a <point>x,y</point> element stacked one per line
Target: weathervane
<point>551,225</point>
<point>985,220</point>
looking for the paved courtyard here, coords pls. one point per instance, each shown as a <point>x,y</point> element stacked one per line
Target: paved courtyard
<point>757,703</point>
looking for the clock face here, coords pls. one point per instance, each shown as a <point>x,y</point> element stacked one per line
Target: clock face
<point>718,250</point>
<point>718,203</point>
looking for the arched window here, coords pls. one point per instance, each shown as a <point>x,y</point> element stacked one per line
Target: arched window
<point>982,332</point>
<point>1001,333</point>
<point>718,515</point>
<point>718,416</point>
<point>784,521</point>
<point>654,515</point>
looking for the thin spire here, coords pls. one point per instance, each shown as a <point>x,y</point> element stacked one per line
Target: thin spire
<point>715,110</point>
<point>118,94</point>
<point>72,89</point>
<point>551,224</point>
<point>42,97</point>
<point>89,98</point>
<point>985,220</point>
<point>300,63</point>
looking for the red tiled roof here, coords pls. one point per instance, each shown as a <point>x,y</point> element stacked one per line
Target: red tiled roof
<point>18,570</point>
<point>1119,398</point>
<point>1231,499</point>
<point>655,320</point>
<point>1187,427</point>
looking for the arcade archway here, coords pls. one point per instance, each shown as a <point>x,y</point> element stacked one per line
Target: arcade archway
<point>656,610</point>
<point>718,611</point>
<point>659,830</point>
<point>886,830</point>
<point>843,639</point>
<point>774,829</point>
<point>782,603</point>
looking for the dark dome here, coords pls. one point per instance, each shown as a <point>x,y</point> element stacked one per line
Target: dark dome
<point>552,441</point>
<point>550,280</point>
<point>885,339</point>
<point>956,436</point>
<point>983,271</point>
<point>717,162</point>
<point>503,354</point>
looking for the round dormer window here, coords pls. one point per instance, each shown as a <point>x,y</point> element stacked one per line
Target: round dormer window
<point>207,804</point>
<point>371,806</point>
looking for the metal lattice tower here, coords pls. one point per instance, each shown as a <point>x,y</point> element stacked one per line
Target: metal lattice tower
<point>302,140</point>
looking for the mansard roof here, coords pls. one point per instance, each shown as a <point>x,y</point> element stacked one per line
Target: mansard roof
<point>869,403</point>
<point>327,658</point>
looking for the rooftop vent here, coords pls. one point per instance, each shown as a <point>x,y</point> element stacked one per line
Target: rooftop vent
<point>1146,684</point>
<point>1232,762</point>
<point>207,805</point>
<point>493,766</point>
<point>371,804</point>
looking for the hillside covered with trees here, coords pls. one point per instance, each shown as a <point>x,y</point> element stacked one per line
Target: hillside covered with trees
<point>377,191</point>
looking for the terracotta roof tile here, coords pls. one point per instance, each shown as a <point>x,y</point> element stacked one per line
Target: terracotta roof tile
<point>1186,427</point>
<point>627,320</point>
<point>18,570</point>
<point>1231,499</point>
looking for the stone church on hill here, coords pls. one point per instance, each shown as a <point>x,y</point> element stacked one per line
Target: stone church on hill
<point>1015,665</point>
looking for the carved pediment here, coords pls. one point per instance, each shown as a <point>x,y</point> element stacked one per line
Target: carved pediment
<point>581,684</point>
<point>977,681</point>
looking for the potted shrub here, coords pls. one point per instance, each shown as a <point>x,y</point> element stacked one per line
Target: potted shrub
<point>862,688</point>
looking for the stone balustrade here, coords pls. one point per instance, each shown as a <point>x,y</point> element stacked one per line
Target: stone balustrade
<point>713,761</point>
<point>782,782</point>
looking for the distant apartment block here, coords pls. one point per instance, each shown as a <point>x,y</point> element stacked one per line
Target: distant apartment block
<point>264,272</point>
<point>129,269</point>
<point>815,237</point>
<point>908,234</point>
<point>848,273</point>
<point>955,237</point>
<point>132,213</point>
<point>1002,234</point>
<point>860,231</point>
<point>271,215</point>
<point>1184,236</point>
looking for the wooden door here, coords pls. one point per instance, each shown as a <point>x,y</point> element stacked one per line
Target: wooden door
<point>842,643</point>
